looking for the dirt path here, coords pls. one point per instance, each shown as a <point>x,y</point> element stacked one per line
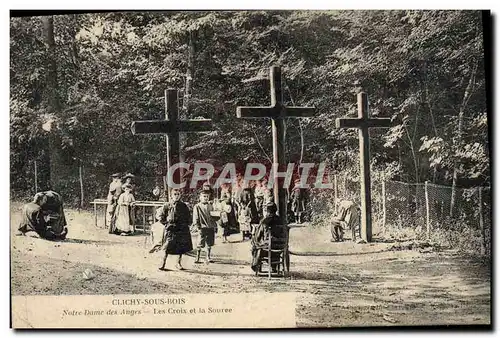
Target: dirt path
<point>358,285</point>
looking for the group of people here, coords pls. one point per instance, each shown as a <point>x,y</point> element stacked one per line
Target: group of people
<point>249,200</point>
<point>44,216</point>
<point>172,231</point>
<point>120,220</point>
<point>246,207</point>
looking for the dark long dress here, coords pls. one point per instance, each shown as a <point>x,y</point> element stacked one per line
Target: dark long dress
<point>47,224</point>
<point>228,219</point>
<point>52,206</point>
<point>177,237</point>
<point>32,219</point>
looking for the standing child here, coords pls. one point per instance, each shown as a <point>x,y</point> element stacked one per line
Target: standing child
<point>249,209</point>
<point>245,220</point>
<point>227,217</point>
<point>157,231</point>
<point>259,198</point>
<point>298,202</point>
<point>203,221</point>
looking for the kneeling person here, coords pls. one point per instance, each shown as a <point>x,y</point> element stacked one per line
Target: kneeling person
<point>45,216</point>
<point>346,218</point>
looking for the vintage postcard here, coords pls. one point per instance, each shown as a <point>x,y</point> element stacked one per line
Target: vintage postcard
<point>250,169</point>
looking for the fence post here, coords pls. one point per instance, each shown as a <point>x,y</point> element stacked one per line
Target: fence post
<point>335,191</point>
<point>427,211</point>
<point>345,185</point>
<point>165,188</point>
<point>384,213</point>
<point>36,177</point>
<point>481,221</point>
<point>80,174</point>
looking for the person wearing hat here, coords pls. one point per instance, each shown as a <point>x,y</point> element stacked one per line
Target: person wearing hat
<point>270,225</point>
<point>124,212</point>
<point>176,218</point>
<point>206,225</point>
<point>115,190</point>
<point>129,179</point>
<point>156,192</point>
<point>207,188</point>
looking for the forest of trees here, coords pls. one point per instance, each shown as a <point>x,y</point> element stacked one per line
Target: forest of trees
<point>78,81</point>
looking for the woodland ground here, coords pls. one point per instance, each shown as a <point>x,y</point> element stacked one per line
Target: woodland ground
<point>356,285</point>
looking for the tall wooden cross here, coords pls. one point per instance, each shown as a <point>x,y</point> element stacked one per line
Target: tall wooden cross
<point>172,127</point>
<point>278,113</point>
<point>364,123</point>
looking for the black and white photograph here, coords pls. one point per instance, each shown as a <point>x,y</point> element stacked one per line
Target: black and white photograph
<point>337,157</point>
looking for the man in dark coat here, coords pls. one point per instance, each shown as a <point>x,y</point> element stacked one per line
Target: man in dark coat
<point>269,226</point>
<point>176,217</point>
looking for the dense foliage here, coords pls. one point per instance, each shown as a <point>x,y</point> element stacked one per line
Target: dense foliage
<point>425,69</point>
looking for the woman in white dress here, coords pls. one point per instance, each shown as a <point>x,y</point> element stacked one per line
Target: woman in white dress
<point>124,220</point>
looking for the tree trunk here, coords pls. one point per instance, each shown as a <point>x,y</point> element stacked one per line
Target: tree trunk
<point>458,137</point>
<point>189,74</point>
<point>433,121</point>
<point>186,102</point>
<point>51,98</point>
<point>384,199</point>
<point>455,170</point>
<point>51,76</point>
<point>301,131</point>
<point>427,211</point>
<point>481,221</point>
<point>413,152</point>
<point>301,142</point>
<point>345,185</point>
<point>336,194</point>
<point>413,193</point>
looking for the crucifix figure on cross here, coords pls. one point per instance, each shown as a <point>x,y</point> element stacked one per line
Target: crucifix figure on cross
<point>172,127</point>
<point>363,123</point>
<point>277,112</point>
